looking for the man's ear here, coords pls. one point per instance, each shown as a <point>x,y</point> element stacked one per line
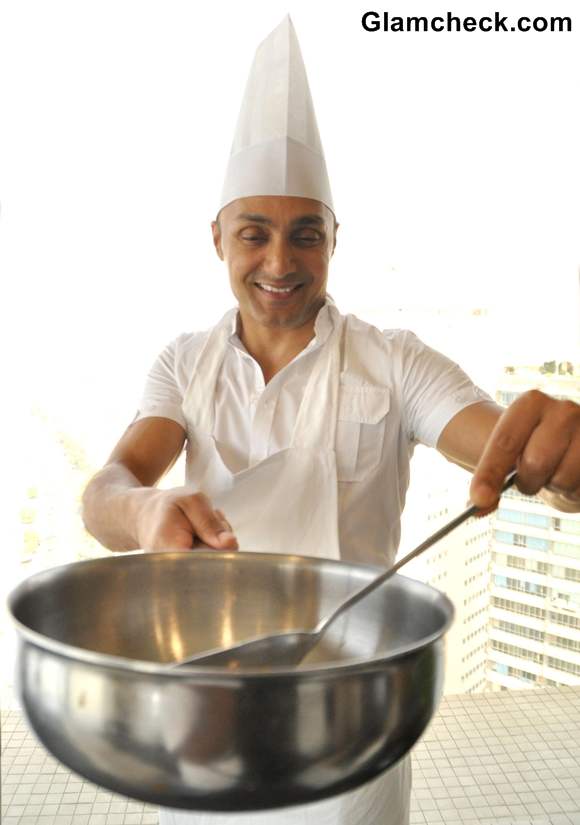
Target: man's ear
<point>217,239</point>
<point>334,243</point>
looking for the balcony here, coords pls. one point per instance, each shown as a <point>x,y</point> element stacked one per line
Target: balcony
<point>530,599</point>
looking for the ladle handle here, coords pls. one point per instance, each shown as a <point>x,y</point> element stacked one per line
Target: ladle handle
<point>437,536</point>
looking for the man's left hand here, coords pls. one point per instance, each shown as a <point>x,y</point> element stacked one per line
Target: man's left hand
<point>539,436</point>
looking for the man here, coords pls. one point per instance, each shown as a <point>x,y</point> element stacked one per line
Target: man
<point>299,422</point>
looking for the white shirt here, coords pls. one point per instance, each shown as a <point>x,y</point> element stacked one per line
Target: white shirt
<point>395,392</point>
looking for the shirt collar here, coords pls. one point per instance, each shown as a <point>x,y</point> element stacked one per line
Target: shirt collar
<point>323,326</point>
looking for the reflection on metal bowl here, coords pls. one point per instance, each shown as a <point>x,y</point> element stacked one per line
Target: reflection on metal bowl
<point>97,637</point>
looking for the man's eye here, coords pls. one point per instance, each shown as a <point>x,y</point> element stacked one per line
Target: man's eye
<point>307,237</point>
<point>252,236</point>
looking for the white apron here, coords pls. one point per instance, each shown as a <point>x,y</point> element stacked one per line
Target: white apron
<point>262,503</point>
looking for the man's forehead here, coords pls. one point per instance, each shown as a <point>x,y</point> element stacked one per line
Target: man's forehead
<point>301,220</point>
<point>270,210</point>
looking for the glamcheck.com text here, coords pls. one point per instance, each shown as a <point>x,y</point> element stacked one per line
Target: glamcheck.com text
<point>373,21</point>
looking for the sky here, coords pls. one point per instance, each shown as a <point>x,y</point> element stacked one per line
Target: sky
<point>453,159</point>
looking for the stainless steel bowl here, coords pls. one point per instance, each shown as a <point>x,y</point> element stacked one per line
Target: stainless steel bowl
<point>97,636</point>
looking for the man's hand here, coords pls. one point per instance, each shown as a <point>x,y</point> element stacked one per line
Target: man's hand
<point>178,519</point>
<point>539,436</point>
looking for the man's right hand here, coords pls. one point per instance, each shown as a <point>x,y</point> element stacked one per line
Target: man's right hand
<point>124,509</point>
<point>178,519</point>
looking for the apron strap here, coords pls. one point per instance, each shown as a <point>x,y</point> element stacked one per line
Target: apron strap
<point>318,414</point>
<point>199,397</point>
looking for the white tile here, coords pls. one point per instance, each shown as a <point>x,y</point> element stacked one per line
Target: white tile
<point>20,798</point>
<point>83,808</point>
<point>32,810</point>
<point>552,807</point>
<point>571,806</point>
<point>66,810</point>
<point>439,793</point>
<point>517,810</point>
<point>49,810</point>
<point>101,807</point>
<point>15,810</point>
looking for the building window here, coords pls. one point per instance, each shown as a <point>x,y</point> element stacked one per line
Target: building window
<point>523,564</point>
<point>507,670</point>
<point>517,607</point>
<point>566,667</point>
<point>521,586</point>
<point>520,517</point>
<point>568,525</point>
<point>519,652</point>
<point>567,644</point>
<point>567,573</point>
<point>519,630</point>
<point>564,549</point>
<point>564,619</point>
<point>506,397</point>
<point>537,544</point>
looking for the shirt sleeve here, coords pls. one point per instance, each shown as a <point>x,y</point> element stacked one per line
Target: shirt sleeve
<point>163,394</point>
<point>434,390</point>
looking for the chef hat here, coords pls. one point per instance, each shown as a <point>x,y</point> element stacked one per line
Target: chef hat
<point>276,148</point>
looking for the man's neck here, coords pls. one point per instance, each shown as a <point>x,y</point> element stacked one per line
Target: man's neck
<point>274,347</point>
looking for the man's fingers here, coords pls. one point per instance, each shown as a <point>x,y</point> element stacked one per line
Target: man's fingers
<point>542,456</point>
<point>538,435</point>
<point>504,448</point>
<point>566,478</point>
<point>180,539</point>
<point>209,525</point>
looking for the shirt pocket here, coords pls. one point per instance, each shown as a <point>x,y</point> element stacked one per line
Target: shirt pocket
<point>360,430</point>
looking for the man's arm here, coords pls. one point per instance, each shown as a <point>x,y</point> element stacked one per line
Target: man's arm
<point>538,435</point>
<point>464,438</point>
<point>123,509</point>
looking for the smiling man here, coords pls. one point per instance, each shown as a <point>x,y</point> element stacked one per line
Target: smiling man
<point>277,250</point>
<point>300,422</point>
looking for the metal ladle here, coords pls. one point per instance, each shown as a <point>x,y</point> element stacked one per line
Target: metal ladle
<point>290,648</point>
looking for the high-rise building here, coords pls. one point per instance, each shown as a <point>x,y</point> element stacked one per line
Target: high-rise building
<point>534,633</point>
<point>458,565</point>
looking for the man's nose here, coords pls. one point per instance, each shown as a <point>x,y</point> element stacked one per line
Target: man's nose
<point>279,259</point>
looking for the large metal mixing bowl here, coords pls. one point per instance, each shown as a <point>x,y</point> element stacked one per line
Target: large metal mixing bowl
<point>96,638</point>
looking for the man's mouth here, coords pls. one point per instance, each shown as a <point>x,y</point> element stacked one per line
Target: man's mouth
<point>277,290</point>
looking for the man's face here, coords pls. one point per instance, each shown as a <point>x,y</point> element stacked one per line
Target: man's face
<point>277,250</point>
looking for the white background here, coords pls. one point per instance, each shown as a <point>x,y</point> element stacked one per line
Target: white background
<point>454,162</point>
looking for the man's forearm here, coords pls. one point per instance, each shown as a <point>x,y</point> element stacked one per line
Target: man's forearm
<point>111,503</point>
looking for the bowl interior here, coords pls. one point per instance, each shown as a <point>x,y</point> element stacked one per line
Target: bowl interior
<point>161,607</point>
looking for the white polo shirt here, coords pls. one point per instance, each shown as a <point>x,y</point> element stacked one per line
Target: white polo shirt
<point>395,392</point>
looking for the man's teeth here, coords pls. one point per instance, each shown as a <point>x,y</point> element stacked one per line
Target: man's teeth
<point>277,289</point>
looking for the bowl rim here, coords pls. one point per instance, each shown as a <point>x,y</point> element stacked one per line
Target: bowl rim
<point>199,673</point>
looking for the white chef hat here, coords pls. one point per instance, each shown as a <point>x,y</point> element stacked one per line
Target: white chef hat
<point>276,148</point>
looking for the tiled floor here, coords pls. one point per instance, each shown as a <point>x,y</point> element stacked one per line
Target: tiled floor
<point>488,759</point>
<point>509,758</point>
